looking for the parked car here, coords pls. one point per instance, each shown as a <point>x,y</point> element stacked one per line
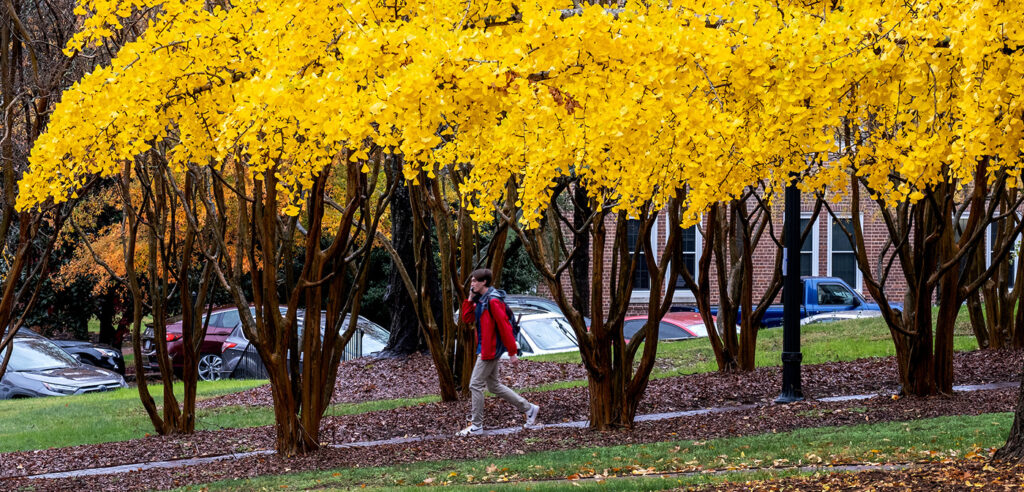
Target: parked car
<point>222,322</point>
<point>517,301</point>
<point>38,367</point>
<point>840,316</point>
<point>821,295</point>
<point>543,332</point>
<point>242,361</point>
<point>674,326</point>
<point>94,354</point>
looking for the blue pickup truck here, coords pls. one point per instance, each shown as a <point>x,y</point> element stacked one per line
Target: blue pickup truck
<point>820,295</point>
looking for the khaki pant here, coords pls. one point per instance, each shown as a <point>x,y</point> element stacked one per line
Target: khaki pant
<point>486,375</point>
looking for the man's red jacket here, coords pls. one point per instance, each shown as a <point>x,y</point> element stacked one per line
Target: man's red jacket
<point>487,338</point>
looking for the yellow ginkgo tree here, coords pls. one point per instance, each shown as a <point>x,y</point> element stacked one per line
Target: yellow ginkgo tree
<point>646,107</point>
<point>930,130</point>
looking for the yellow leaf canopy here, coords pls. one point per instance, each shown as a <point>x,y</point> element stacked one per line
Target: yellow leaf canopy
<point>638,101</point>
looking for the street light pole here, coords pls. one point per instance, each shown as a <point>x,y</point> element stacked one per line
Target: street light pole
<point>791,294</point>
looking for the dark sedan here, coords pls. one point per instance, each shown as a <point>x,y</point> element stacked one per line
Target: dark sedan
<point>90,353</point>
<point>38,367</point>
<point>222,321</point>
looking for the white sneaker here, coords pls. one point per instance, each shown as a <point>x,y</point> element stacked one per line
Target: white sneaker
<point>531,415</point>
<point>472,430</point>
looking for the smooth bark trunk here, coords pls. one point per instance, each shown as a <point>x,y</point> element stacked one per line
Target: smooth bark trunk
<point>1013,450</point>
<point>406,336</point>
<point>581,260</point>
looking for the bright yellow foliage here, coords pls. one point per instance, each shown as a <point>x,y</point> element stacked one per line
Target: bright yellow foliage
<point>639,101</point>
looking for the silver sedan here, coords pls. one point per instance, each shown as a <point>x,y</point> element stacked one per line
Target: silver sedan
<point>38,367</point>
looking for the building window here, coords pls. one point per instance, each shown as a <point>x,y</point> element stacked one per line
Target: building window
<point>641,276</point>
<point>690,248</point>
<point>993,246</point>
<point>842,259</point>
<point>809,249</point>
<point>690,243</point>
<point>691,253</point>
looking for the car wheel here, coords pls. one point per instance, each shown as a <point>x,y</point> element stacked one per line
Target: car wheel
<point>210,366</point>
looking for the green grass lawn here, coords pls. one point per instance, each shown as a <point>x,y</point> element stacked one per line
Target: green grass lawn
<point>39,423</point>
<point>820,343</point>
<point>73,420</point>
<point>94,325</point>
<point>929,439</point>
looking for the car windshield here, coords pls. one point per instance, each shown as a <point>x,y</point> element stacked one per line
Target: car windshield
<point>370,338</point>
<point>227,319</point>
<point>37,354</point>
<point>239,332</point>
<point>539,304</point>
<point>629,328</point>
<point>834,294</point>
<point>668,331</point>
<point>550,333</point>
<point>373,340</point>
<point>300,319</point>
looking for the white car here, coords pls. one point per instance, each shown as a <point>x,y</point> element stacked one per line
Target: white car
<point>840,316</point>
<point>543,332</point>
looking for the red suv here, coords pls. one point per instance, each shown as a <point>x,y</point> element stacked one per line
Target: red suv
<point>222,321</point>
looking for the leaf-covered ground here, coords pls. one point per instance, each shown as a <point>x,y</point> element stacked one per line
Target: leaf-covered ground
<point>370,379</point>
<point>952,475</point>
<point>669,394</point>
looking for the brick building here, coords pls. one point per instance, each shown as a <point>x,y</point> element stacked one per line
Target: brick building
<point>825,252</point>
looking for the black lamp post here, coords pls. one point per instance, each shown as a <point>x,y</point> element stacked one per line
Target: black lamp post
<point>791,294</point>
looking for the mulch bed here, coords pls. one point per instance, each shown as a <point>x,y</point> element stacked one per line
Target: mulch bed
<point>670,394</point>
<point>370,379</point>
<point>953,475</point>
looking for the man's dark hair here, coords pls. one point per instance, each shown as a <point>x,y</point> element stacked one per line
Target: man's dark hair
<point>483,275</point>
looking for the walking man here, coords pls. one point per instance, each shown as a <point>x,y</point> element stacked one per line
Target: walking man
<point>486,308</point>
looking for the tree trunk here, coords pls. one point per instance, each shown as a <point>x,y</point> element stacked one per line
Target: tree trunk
<point>292,438</point>
<point>748,334</point>
<point>608,405</point>
<point>436,332</point>
<point>1018,321</point>
<point>1000,319</point>
<point>949,306</point>
<point>1013,450</point>
<point>701,290</point>
<point>106,318</point>
<point>581,260</point>
<point>978,322</point>
<point>406,337</point>
<point>728,361</point>
<point>433,285</point>
<point>998,322</point>
<point>914,356</point>
<point>913,340</point>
